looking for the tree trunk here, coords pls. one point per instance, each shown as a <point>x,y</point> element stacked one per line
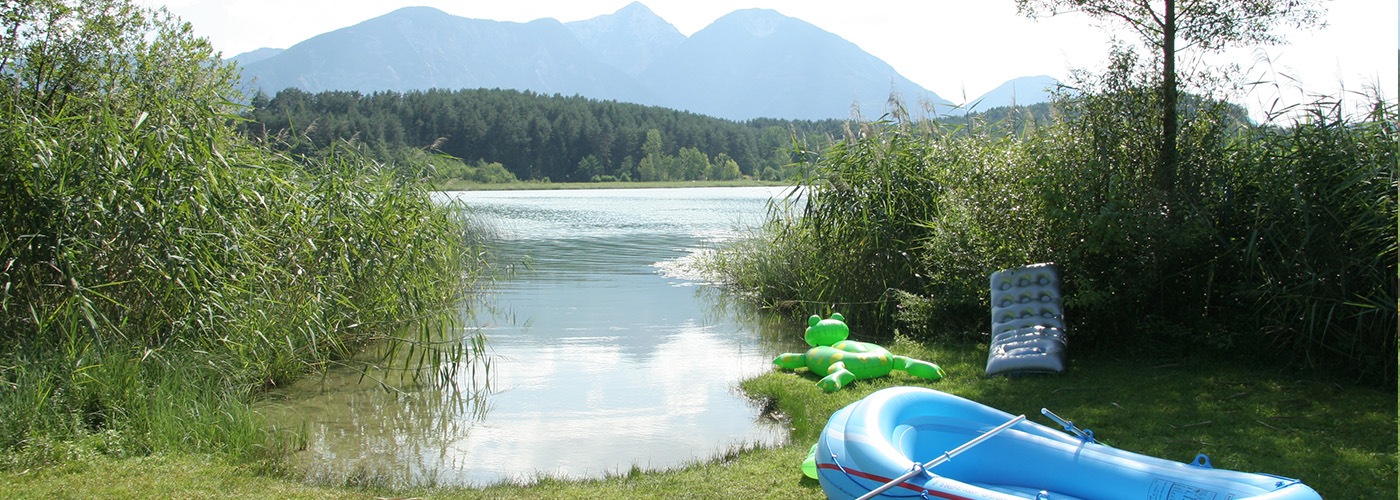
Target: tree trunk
<point>1167,159</point>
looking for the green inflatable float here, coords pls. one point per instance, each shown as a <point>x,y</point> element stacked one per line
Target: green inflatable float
<point>839,361</point>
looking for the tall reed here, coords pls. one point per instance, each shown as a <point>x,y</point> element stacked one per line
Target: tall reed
<point>1276,241</point>
<point>1314,225</point>
<point>156,269</point>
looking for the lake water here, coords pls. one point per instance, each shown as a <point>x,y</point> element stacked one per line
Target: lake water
<point>604,353</point>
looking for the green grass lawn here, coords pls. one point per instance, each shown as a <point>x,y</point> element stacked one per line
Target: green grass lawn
<point>1336,437</point>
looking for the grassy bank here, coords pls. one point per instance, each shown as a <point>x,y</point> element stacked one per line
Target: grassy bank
<point>460,185</point>
<point>1336,437</point>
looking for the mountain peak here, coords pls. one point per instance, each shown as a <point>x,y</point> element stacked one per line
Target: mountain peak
<point>629,39</point>
<point>1025,90</point>
<point>755,13</point>
<point>253,56</point>
<point>418,48</point>
<point>419,12</point>
<point>760,63</point>
<point>759,23</point>
<point>634,8</point>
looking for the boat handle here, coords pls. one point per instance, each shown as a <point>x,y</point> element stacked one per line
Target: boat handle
<point>919,468</point>
<point>1202,461</point>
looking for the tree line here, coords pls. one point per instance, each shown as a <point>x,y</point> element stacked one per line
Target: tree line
<point>496,135</point>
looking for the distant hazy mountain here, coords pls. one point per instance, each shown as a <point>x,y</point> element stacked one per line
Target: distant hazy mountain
<point>629,39</point>
<point>421,47</point>
<point>748,64</point>
<point>759,63</point>
<point>1025,90</point>
<point>253,56</point>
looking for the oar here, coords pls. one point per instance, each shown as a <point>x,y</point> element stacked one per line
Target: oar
<point>941,458</point>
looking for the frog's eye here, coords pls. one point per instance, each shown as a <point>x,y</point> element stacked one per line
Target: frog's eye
<point>838,317</point>
<point>812,321</point>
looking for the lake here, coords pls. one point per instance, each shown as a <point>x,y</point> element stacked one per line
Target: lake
<point>604,351</point>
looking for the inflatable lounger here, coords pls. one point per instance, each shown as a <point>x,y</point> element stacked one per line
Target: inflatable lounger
<point>953,448</point>
<point>1027,322</point>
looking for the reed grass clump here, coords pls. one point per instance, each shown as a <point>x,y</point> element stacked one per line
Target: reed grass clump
<point>157,269</point>
<point>1276,241</point>
<point>1313,224</point>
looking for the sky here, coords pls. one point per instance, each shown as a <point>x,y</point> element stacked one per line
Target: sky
<point>959,49</point>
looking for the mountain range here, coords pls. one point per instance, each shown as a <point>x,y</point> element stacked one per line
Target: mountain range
<point>752,63</point>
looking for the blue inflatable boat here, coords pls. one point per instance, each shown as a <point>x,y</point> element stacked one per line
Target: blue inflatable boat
<point>922,443</point>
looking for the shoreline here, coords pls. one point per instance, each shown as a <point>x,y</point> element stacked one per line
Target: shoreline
<point>1250,418</point>
<point>458,185</point>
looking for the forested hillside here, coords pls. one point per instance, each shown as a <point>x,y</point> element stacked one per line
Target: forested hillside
<point>501,135</point>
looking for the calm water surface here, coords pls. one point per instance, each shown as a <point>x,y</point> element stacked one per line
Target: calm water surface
<point>603,352</point>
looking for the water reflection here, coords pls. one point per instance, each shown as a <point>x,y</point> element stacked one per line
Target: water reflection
<point>371,419</point>
<point>603,353</point>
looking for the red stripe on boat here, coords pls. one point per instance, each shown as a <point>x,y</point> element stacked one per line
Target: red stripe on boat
<point>882,480</point>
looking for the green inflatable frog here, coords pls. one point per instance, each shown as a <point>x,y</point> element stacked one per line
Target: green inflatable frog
<point>839,361</point>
